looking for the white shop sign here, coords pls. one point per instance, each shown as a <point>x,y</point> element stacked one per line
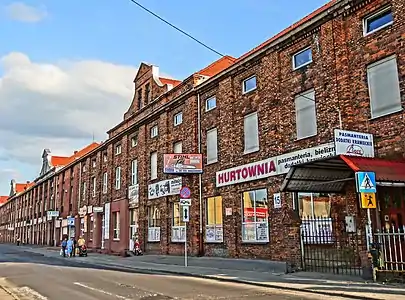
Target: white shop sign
<point>107,208</point>
<point>164,188</point>
<point>273,166</point>
<point>353,143</point>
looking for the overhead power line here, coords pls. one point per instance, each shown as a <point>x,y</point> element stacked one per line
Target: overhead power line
<point>177,28</point>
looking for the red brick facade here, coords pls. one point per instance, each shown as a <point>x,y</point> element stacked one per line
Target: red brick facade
<point>341,54</point>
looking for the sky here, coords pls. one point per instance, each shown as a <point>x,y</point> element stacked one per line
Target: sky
<point>67,67</point>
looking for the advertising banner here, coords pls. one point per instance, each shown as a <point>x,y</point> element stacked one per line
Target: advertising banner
<point>180,163</point>
<point>164,188</point>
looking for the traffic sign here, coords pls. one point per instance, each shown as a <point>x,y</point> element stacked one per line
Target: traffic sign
<point>368,200</point>
<point>185,202</point>
<point>186,213</point>
<point>185,192</point>
<point>365,182</point>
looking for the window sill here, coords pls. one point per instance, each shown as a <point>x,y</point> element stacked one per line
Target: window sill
<point>302,66</point>
<point>255,242</point>
<point>153,241</point>
<point>386,115</point>
<point>116,240</point>
<point>249,91</point>
<point>246,152</point>
<point>306,137</point>
<point>211,162</point>
<point>214,242</point>
<point>365,34</point>
<point>210,109</point>
<point>177,242</point>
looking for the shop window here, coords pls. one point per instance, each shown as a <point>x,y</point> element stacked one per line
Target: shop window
<point>213,227</point>
<point>314,210</point>
<point>116,225</point>
<point>255,226</point>
<point>153,224</point>
<point>178,226</point>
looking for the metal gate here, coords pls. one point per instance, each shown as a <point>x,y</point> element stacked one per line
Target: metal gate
<point>326,247</point>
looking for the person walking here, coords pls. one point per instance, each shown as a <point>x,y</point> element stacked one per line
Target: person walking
<point>64,246</point>
<point>70,247</point>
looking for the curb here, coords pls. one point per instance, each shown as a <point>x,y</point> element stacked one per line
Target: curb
<point>9,292</point>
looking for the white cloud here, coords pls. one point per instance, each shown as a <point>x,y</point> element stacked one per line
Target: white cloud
<point>5,178</point>
<point>58,106</point>
<point>19,11</point>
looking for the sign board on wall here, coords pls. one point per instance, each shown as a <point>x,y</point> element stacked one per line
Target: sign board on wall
<point>182,163</point>
<point>133,194</point>
<point>273,166</point>
<point>165,188</point>
<point>353,143</point>
<point>107,208</point>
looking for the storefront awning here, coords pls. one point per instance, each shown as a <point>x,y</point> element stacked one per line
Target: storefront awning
<point>331,174</point>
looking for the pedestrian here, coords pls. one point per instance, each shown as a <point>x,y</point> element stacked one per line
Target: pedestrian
<point>74,246</point>
<point>64,245</point>
<point>70,246</point>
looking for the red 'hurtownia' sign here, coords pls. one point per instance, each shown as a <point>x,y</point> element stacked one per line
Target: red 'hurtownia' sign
<point>276,165</point>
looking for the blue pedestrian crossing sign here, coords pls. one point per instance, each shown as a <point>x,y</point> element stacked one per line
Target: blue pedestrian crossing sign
<point>365,182</point>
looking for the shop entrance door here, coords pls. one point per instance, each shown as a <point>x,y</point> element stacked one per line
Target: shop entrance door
<point>133,227</point>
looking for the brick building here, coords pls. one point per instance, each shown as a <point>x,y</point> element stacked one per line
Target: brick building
<point>253,118</point>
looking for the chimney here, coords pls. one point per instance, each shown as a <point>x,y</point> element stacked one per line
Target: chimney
<point>75,152</point>
<point>28,182</point>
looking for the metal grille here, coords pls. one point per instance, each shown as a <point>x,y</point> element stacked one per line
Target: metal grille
<point>391,243</point>
<point>326,247</point>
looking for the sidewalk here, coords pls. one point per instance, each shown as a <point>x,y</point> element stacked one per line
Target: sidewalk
<point>241,271</point>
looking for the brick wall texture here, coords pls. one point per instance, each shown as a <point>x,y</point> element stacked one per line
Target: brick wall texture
<point>338,74</point>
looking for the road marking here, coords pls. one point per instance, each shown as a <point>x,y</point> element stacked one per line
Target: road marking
<point>29,292</point>
<point>100,291</point>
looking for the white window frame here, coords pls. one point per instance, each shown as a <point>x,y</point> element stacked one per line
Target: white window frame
<point>214,233</point>
<point>94,163</point>
<point>253,148</point>
<point>178,119</point>
<point>94,182</point>
<point>178,147</point>
<point>246,80</point>
<point>105,182</point>
<point>255,223</point>
<point>369,84</point>
<point>380,12</point>
<point>117,226</point>
<point>105,157</point>
<point>134,172</point>
<point>178,231</point>
<point>153,165</point>
<point>84,190</point>
<point>118,149</point>
<point>213,159</point>
<point>134,140</point>
<point>207,108</point>
<point>295,67</point>
<point>154,131</point>
<point>118,178</point>
<point>153,229</point>
<point>305,97</point>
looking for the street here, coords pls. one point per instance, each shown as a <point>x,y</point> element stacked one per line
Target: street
<point>33,276</point>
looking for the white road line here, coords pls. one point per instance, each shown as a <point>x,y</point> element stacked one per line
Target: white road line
<point>100,291</point>
<point>29,292</point>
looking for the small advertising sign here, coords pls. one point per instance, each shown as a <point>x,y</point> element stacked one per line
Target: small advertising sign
<point>180,163</point>
<point>353,143</point>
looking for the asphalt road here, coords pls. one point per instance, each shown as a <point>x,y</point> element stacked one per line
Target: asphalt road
<point>33,276</point>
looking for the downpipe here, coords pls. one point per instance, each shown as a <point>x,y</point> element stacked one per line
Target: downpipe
<point>201,237</point>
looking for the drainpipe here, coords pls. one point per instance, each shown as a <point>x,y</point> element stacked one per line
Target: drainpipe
<point>201,238</point>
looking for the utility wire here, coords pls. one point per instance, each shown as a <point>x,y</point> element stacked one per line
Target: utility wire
<point>177,28</point>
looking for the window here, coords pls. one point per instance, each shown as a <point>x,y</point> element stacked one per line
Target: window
<point>116,224</point>
<point>153,224</point>
<point>139,98</point>
<point>210,103</point>
<point>117,178</point>
<point>153,165</point>
<point>249,84</point>
<point>84,190</point>
<point>213,227</point>
<point>305,115</point>
<point>251,133</point>
<point>118,149</point>
<point>91,228</point>
<point>93,162</point>
<point>154,131</point>
<point>178,119</point>
<point>212,146</point>
<point>134,172</point>
<point>134,140</point>
<point>255,227</point>
<point>178,147</point>
<point>302,58</point>
<point>147,93</point>
<point>377,21</point>
<point>84,168</point>
<point>383,87</point>
<point>105,157</point>
<point>105,177</point>
<point>94,182</point>
<point>178,226</point>
<point>314,210</point>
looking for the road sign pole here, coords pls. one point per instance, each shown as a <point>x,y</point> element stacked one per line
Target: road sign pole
<point>185,245</point>
<point>369,231</point>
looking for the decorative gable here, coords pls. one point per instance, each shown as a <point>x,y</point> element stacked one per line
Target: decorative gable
<point>46,162</point>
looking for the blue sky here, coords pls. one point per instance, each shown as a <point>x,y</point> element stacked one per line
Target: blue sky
<point>120,33</point>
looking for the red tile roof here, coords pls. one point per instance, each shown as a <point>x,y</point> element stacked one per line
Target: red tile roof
<point>385,170</point>
<point>21,187</point>
<point>60,161</point>
<point>217,66</point>
<point>3,199</point>
<point>173,82</point>
<point>290,28</point>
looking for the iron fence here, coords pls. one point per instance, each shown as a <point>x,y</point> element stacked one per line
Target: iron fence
<point>326,247</point>
<point>391,244</point>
